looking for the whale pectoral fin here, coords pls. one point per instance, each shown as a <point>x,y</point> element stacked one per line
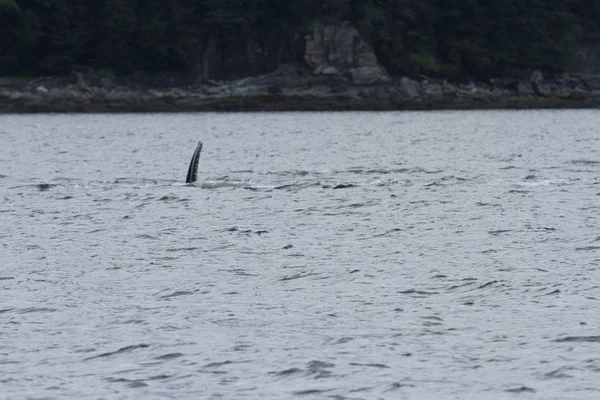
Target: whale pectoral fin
<point>192,174</point>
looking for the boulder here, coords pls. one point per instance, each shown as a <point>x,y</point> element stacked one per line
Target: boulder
<point>541,89</point>
<point>368,75</point>
<point>538,86</point>
<point>433,90</point>
<point>409,87</point>
<point>449,89</point>
<point>525,89</point>
<point>536,77</point>
<point>329,70</point>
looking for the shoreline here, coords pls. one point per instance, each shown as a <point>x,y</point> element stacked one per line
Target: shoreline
<point>259,104</point>
<point>287,90</point>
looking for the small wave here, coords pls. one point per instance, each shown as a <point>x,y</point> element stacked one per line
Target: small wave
<point>294,173</point>
<point>499,232</point>
<point>181,249</point>
<point>522,389</point>
<point>136,383</point>
<point>219,184</point>
<point>218,364</point>
<point>296,186</point>
<point>36,309</point>
<point>375,171</point>
<point>587,248</point>
<point>448,180</point>
<point>176,294</point>
<point>419,293</point>
<point>530,181</point>
<point>398,385</point>
<point>288,372</point>
<point>559,373</point>
<point>375,365</point>
<point>488,284</point>
<point>585,162</point>
<point>387,232</point>
<point>143,181</point>
<point>344,186</point>
<point>44,186</point>
<point>170,198</point>
<point>311,391</point>
<point>168,356</point>
<point>126,349</point>
<point>298,276</point>
<point>578,339</point>
<point>358,205</point>
<point>387,171</point>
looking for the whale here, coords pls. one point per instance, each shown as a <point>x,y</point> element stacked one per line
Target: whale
<point>192,175</point>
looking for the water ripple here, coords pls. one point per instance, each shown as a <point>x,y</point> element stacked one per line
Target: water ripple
<point>319,255</point>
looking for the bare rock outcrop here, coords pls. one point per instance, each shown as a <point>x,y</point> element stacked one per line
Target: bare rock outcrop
<point>338,48</point>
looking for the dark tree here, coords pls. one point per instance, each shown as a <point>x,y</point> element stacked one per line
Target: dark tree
<point>227,38</point>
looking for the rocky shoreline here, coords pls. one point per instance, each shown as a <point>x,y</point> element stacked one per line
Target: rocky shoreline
<point>293,88</point>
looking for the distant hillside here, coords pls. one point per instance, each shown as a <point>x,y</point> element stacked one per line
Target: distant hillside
<point>226,39</point>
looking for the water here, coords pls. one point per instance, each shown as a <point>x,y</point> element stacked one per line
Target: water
<point>449,255</point>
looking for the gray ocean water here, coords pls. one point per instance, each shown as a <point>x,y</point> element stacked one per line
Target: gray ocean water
<point>409,255</point>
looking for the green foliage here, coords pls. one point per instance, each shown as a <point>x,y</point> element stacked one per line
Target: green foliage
<point>440,38</point>
<point>14,80</point>
<point>8,6</point>
<point>115,37</point>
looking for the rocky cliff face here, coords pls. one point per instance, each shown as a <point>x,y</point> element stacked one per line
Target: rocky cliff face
<point>333,48</point>
<point>328,48</point>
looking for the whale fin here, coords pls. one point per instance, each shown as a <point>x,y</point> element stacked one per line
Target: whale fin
<point>192,174</point>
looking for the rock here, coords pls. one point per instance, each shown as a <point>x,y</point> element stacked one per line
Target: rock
<point>505,83</point>
<point>285,76</point>
<point>329,70</point>
<point>433,90</point>
<point>449,89</point>
<point>295,87</point>
<point>579,94</point>
<point>562,92</point>
<point>537,84</point>
<point>409,87</point>
<point>536,77</point>
<point>541,89</point>
<point>524,89</point>
<point>592,82</point>
<point>368,75</point>
<point>340,45</point>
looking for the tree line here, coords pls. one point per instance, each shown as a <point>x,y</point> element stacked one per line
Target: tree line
<point>438,38</point>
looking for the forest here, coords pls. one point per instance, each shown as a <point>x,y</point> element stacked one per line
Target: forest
<point>438,38</point>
